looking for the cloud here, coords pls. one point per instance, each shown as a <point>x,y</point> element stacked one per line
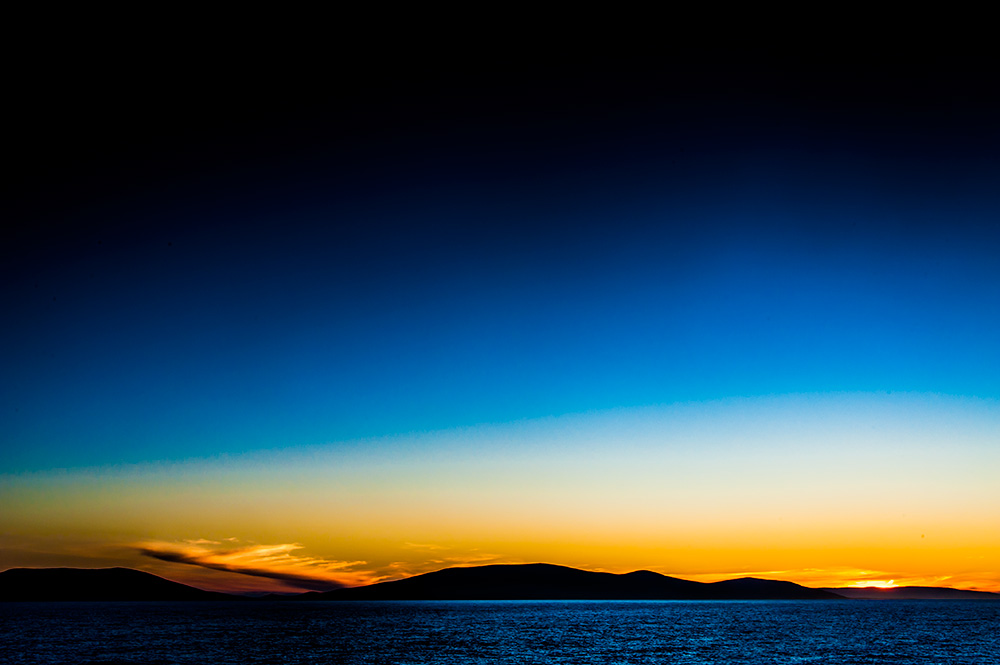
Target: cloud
<point>276,562</point>
<point>285,563</point>
<point>446,557</point>
<point>429,547</point>
<point>472,560</point>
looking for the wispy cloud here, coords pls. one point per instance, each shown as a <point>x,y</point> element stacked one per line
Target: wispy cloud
<point>471,560</point>
<point>426,547</point>
<point>443,557</point>
<point>286,563</point>
<point>278,562</point>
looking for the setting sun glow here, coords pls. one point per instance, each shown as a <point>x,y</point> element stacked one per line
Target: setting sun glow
<point>874,584</point>
<point>687,328</point>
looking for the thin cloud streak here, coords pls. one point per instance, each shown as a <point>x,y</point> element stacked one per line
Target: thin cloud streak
<point>270,561</point>
<point>397,570</point>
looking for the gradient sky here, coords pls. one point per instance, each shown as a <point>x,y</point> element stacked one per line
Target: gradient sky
<point>702,316</point>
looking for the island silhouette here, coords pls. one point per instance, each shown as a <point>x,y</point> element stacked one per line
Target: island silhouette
<point>60,584</point>
<point>544,581</point>
<point>912,593</point>
<point>534,581</point>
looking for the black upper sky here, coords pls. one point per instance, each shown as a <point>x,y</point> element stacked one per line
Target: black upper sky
<point>370,235</point>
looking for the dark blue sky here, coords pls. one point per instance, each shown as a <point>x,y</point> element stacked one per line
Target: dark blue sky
<point>209,264</point>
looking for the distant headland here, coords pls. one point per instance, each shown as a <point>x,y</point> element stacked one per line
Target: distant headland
<point>95,584</point>
<point>535,581</point>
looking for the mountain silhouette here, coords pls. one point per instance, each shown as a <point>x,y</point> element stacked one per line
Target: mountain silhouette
<point>542,581</point>
<point>533,581</point>
<point>52,584</point>
<point>912,593</point>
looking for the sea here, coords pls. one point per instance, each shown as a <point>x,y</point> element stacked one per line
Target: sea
<point>521,632</point>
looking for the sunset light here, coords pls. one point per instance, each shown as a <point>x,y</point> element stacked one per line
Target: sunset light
<point>697,491</point>
<point>377,345</point>
<point>707,320</point>
<point>874,584</point>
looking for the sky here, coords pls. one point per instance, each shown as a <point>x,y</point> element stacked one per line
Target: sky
<point>274,328</point>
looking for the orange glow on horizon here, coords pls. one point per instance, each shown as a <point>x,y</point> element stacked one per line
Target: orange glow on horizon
<point>852,578</point>
<point>767,489</point>
<point>255,574</point>
<point>874,584</point>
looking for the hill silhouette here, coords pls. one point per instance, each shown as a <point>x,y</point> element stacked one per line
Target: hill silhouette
<point>542,581</point>
<point>534,581</point>
<point>912,593</point>
<point>57,584</point>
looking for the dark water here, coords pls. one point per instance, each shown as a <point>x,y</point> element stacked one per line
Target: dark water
<point>502,632</point>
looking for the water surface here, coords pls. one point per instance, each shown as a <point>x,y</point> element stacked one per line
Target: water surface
<point>522,632</point>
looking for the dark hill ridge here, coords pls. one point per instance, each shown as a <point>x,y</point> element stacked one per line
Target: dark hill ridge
<point>535,581</point>
<point>52,584</point>
<point>541,581</point>
<point>912,593</point>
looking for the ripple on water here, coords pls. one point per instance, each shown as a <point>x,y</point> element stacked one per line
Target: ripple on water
<point>445,633</point>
